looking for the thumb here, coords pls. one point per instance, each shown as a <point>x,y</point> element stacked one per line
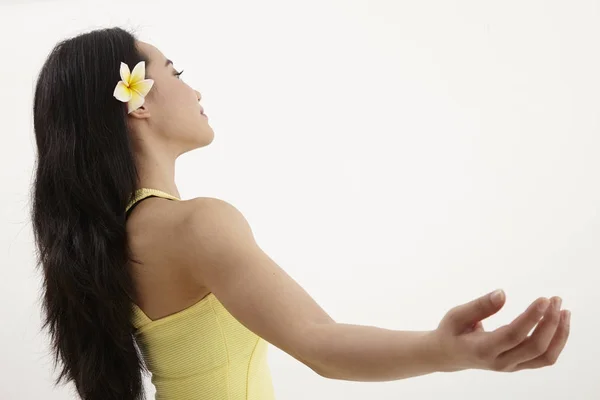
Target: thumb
<point>466,315</point>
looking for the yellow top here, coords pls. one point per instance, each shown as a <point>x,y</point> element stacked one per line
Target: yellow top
<point>201,352</point>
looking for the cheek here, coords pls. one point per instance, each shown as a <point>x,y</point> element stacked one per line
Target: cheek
<point>180,106</point>
<point>185,98</point>
<point>188,111</point>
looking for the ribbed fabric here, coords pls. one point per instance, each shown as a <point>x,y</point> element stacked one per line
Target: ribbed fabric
<point>202,352</point>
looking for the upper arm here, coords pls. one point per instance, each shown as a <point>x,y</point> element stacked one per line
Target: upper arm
<point>225,257</point>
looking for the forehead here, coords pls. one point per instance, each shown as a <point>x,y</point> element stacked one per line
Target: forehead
<point>155,56</point>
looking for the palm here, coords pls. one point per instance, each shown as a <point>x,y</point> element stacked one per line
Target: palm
<point>510,347</point>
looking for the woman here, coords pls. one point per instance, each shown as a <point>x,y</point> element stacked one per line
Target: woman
<point>135,277</point>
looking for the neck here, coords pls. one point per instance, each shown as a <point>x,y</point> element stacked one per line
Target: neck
<point>157,171</point>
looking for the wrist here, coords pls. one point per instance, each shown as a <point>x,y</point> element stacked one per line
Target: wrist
<point>444,352</point>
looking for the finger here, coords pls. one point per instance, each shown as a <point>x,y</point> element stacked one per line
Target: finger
<point>478,327</point>
<point>511,335</point>
<point>466,315</point>
<point>536,344</point>
<point>554,349</point>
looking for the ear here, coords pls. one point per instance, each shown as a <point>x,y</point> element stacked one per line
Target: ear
<point>141,112</point>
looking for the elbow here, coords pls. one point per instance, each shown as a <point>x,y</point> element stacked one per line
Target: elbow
<point>319,371</point>
<point>314,346</point>
<point>328,373</point>
<point>311,363</point>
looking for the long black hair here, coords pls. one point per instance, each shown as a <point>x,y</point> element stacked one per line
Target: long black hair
<point>85,176</point>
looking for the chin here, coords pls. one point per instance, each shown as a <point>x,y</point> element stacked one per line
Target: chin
<point>205,136</point>
<point>200,138</point>
<point>209,135</point>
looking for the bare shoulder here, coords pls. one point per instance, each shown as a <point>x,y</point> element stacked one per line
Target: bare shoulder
<point>216,213</point>
<point>216,246</point>
<point>212,225</point>
<point>164,236</point>
<point>174,232</point>
<point>199,207</point>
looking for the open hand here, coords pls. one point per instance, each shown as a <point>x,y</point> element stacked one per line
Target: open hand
<point>466,345</point>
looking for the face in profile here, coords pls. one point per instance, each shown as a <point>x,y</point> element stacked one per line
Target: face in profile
<point>172,109</point>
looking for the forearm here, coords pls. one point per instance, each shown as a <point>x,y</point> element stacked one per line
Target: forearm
<point>371,354</point>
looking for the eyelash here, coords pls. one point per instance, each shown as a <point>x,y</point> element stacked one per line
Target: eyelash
<point>179,73</point>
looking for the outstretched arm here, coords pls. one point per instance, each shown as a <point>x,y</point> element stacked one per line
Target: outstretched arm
<point>219,249</point>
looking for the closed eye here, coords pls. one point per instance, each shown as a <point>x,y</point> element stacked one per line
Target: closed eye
<point>179,73</point>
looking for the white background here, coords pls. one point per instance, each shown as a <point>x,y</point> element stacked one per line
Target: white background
<point>396,158</point>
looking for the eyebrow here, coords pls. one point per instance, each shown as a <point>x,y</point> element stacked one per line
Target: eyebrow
<point>168,62</point>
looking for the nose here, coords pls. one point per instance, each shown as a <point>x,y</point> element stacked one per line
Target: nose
<point>198,95</point>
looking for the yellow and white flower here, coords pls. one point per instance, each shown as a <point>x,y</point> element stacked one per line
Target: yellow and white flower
<point>133,87</point>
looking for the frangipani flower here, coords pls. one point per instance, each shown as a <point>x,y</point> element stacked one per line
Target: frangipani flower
<point>133,87</point>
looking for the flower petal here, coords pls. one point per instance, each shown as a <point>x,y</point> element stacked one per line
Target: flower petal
<point>136,101</point>
<point>122,92</point>
<point>143,87</point>
<point>124,72</point>
<point>138,73</point>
